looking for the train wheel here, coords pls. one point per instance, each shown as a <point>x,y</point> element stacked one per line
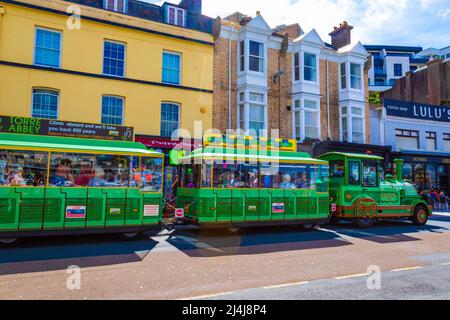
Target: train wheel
<point>334,220</point>
<point>128,236</point>
<point>420,216</point>
<point>308,227</point>
<point>364,223</point>
<point>7,242</point>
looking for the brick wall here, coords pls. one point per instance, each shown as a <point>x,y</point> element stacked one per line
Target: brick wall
<point>334,99</point>
<point>221,83</point>
<point>279,93</point>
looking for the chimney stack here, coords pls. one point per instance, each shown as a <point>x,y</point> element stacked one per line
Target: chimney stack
<point>341,36</point>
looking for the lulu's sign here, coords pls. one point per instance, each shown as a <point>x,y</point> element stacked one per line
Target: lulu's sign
<point>22,125</point>
<point>419,111</point>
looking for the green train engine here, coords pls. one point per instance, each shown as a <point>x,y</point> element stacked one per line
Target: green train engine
<point>358,192</point>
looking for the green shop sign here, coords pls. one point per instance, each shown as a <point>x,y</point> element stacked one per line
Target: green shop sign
<point>23,125</point>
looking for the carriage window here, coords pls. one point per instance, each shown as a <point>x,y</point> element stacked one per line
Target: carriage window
<point>23,168</point>
<point>354,173</point>
<point>235,175</point>
<point>150,176</point>
<point>370,174</point>
<point>298,176</point>
<point>337,169</point>
<point>88,170</point>
<point>322,178</point>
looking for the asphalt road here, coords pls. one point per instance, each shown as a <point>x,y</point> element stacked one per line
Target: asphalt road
<point>255,263</point>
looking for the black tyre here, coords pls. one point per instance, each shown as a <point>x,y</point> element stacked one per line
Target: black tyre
<point>9,242</point>
<point>130,236</point>
<point>420,215</point>
<point>308,227</point>
<point>364,223</point>
<point>334,220</point>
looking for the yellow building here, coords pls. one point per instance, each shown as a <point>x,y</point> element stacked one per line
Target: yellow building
<point>120,62</point>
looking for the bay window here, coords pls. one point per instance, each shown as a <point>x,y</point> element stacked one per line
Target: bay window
<point>256,56</point>
<point>355,76</point>
<point>343,76</point>
<point>306,120</point>
<point>352,124</point>
<point>297,66</point>
<point>252,112</point>
<point>310,67</point>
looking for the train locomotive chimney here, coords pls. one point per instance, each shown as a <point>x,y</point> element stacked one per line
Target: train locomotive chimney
<point>399,169</point>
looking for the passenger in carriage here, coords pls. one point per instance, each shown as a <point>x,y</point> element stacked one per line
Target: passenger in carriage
<point>287,184</point>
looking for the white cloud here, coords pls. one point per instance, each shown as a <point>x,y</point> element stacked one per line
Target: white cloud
<point>402,22</point>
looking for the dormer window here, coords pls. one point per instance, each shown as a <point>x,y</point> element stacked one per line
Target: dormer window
<point>116,5</point>
<point>175,16</point>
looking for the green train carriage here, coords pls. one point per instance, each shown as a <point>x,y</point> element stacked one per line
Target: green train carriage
<point>235,187</point>
<point>61,186</point>
<point>359,193</point>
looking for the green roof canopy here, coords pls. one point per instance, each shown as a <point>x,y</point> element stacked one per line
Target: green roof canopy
<point>50,143</point>
<point>251,154</point>
<point>331,155</point>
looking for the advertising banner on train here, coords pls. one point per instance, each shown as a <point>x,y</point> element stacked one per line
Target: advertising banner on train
<point>23,125</point>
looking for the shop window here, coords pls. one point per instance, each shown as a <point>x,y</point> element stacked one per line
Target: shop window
<point>419,177</point>
<point>116,5</point>
<point>431,140</point>
<point>112,110</point>
<point>408,171</point>
<point>114,59</point>
<point>407,139</point>
<point>310,67</point>
<point>337,169</point>
<point>354,173</point>
<point>170,119</point>
<point>370,174</point>
<point>171,68</point>
<point>47,51</point>
<point>256,57</point>
<point>446,141</point>
<point>355,76</point>
<point>430,181</point>
<point>45,104</point>
<point>298,176</point>
<point>23,168</point>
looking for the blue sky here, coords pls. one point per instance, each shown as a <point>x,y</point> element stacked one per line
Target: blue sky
<point>396,22</point>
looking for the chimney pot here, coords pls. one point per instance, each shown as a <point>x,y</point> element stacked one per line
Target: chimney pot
<point>258,13</point>
<point>341,36</point>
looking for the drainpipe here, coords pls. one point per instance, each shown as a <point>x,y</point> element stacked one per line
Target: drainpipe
<point>328,98</point>
<point>229,84</point>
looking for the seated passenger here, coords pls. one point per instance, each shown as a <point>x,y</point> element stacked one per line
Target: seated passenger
<point>237,181</point>
<point>302,183</point>
<point>287,184</point>
<point>63,174</point>
<point>253,179</point>
<point>16,178</point>
<point>99,179</point>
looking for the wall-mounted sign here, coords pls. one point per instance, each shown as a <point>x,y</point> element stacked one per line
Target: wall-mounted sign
<point>418,111</point>
<point>23,125</point>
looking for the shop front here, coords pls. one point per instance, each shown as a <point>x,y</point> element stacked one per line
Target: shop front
<point>168,146</point>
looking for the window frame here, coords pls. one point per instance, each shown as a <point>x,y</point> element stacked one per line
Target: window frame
<point>370,163</point>
<point>124,58</point>
<point>401,69</point>
<point>262,57</point>
<point>180,57</point>
<point>348,116</point>
<point>37,28</point>
<point>116,4</point>
<point>343,76</point>
<point>312,68</point>
<point>242,59</point>
<point>296,65</point>
<point>47,89</point>
<point>176,11</point>
<point>123,110</point>
<point>161,120</point>
<point>245,104</point>
<point>431,135</point>
<point>359,181</point>
<point>300,109</point>
<point>406,133</point>
<point>360,76</point>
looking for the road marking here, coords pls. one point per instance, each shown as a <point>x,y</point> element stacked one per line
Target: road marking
<point>406,269</point>
<point>293,284</point>
<point>352,276</point>
<point>445,264</point>
<point>208,296</point>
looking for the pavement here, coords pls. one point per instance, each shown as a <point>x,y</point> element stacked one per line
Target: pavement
<point>392,260</point>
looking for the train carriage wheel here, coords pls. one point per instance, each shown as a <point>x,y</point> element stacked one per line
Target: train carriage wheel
<point>7,242</point>
<point>420,215</point>
<point>128,236</point>
<point>364,222</point>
